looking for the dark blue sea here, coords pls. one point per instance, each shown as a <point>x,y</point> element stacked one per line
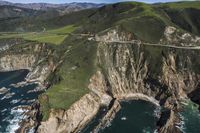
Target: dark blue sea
<point>134,117</point>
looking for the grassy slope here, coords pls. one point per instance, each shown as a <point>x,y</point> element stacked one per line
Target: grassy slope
<point>37,21</point>
<point>184,14</point>
<point>73,75</point>
<point>142,22</point>
<point>137,18</point>
<point>55,36</point>
<point>146,22</point>
<point>183,5</point>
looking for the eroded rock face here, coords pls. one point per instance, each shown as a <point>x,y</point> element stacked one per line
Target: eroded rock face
<point>98,85</point>
<point>73,119</point>
<point>167,74</point>
<point>16,62</point>
<point>33,58</point>
<point>173,36</point>
<point>124,71</point>
<point>114,35</point>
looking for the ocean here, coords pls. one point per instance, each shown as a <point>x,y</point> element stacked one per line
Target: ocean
<point>13,97</point>
<point>134,117</point>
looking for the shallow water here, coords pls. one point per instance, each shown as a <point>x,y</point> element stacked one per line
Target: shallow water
<point>14,97</point>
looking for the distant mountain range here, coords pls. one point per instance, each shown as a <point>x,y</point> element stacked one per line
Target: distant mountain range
<point>67,7</point>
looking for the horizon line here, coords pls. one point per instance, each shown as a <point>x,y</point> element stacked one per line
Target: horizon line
<point>95,2</point>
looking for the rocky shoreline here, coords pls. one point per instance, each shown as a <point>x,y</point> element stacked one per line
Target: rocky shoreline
<point>12,60</point>
<point>167,120</point>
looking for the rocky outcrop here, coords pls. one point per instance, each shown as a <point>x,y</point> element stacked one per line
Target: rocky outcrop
<point>169,122</point>
<point>174,36</point>
<point>73,119</point>
<point>109,116</point>
<point>114,35</point>
<point>17,62</point>
<point>31,117</point>
<point>195,96</point>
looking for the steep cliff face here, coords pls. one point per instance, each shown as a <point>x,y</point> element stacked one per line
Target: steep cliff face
<point>74,119</point>
<point>81,112</point>
<point>34,57</point>
<point>167,74</point>
<point>123,70</point>
<point>16,62</point>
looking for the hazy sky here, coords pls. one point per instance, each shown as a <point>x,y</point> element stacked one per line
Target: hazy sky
<point>93,1</point>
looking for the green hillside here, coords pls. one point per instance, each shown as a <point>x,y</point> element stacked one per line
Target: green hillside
<point>183,5</point>
<point>54,36</point>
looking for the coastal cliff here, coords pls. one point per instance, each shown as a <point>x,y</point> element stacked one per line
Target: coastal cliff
<point>37,58</point>
<point>73,119</point>
<point>81,112</point>
<point>17,62</point>
<point>167,74</point>
<point>129,71</point>
<point>115,54</point>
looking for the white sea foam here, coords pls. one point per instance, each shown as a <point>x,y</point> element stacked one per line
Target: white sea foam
<point>7,96</point>
<point>6,119</point>
<point>32,130</point>
<point>4,110</point>
<point>123,118</point>
<point>155,131</point>
<point>181,125</point>
<point>14,122</point>
<point>15,101</point>
<point>157,111</point>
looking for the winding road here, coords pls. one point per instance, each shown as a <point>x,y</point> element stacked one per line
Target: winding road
<point>93,38</point>
<point>152,44</point>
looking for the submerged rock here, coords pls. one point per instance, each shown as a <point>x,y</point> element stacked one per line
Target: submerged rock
<point>3,90</point>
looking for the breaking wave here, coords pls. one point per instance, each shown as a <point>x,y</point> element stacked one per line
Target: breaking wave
<point>17,116</point>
